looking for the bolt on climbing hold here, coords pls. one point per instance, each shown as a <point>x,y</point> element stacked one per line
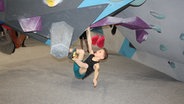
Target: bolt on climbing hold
<point>172,64</point>
<point>163,47</point>
<point>182,36</point>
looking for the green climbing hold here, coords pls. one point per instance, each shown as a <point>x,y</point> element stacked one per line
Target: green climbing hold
<point>157,15</point>
<point>172,64</point>
<point>163,47</point>
<point>156,28</point>
<point>137,2</point>
<point>182,36</point>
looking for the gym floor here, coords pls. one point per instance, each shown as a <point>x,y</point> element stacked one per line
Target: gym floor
<point>32,76</point>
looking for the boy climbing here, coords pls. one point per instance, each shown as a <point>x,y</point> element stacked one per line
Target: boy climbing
<point>83,69</point>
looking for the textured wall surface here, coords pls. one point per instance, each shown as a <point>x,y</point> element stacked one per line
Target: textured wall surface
<point>163,49</point>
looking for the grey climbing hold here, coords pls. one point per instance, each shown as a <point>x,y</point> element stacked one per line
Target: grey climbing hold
<point>61,35</point>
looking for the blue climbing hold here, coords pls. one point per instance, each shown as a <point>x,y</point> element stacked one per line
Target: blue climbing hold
<point>157,15</point>
<point>182,36</point>
<point>48,42</point>
<point>127,50</point>
<point>163,47</point>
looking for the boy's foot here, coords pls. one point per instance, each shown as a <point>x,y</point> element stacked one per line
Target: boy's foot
<point>73,54</point>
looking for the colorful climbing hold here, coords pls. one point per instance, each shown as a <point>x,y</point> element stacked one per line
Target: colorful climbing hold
<point>172,64</point>
<point>52,3</point>
<point>156,28</point>
<point>101,41</point>
<point>31,24</point>
<point>163,47</point>
<point>126,49</point>
<point>48,42</point>
<point>137,2</point>
<point>182,36</point>
<point>113,31</point>
<point>61,36</point>
<point>157,15</point>
<point>98,40</point>
<point>94,39</point>
<point>141,35</point>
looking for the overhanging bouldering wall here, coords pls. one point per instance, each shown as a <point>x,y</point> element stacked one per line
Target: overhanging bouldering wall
<point>36,18</point>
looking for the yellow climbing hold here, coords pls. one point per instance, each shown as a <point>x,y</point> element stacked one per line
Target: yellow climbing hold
<point>52,3</point>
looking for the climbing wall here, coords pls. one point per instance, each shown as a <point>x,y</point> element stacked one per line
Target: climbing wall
<point>152,31</point>
<point>39,18</point>
<point>163,49</point>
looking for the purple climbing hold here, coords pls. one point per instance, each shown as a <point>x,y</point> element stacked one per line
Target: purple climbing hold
<point>2,6</point>
<point>107,21</point>
<point>141,35</point>
<point>135,23</point>
<point>131,23</point>
<point>31,24</point>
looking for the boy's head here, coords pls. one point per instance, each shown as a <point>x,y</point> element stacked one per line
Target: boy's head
<point>102,54</point>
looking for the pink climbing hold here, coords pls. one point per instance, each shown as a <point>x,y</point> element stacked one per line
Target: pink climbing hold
<point>94,39</point>
<point>101,41</point>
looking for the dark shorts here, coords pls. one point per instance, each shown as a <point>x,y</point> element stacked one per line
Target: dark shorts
<point>76,71</point>
<point>83,36</point>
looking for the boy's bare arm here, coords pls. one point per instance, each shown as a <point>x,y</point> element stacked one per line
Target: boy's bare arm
<point>96,74</point>
<point>88,32</point>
